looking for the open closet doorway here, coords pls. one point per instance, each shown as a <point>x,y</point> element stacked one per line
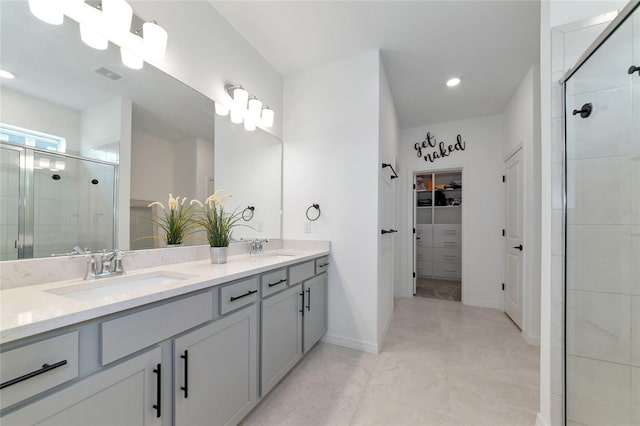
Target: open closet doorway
<point>437,236</point>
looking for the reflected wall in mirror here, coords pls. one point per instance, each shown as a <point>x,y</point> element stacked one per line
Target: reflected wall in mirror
<point>249,166</point>
<point>153,133</point>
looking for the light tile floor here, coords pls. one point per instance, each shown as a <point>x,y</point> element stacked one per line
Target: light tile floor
<point>442,363</point>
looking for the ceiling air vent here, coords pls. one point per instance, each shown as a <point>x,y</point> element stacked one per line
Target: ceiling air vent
<point>111,75</point>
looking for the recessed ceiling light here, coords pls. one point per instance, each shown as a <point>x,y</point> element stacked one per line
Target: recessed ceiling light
<point>452,82</point>
<point>6,74</point>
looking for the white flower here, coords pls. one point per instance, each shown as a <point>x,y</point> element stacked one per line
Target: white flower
<point>156,203</point>
<point>192,202</point>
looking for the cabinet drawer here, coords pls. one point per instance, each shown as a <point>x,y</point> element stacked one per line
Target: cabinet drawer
<point>424,269</point>
<point>424,253</point>
<point>125,335</point>
<point>322,264</point>
<point>424,235</point>
<point>273,282</point>
<point>448,270</point>
<point>449,236</point>
<point>299,273</point>
<point>238,294</point>
<point>55,361</point>
<point>446,255</point>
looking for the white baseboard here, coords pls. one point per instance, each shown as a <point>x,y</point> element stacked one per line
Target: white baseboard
<point>383,333</point>
<point>348,342</point>
<point>531,340</point>
<point>540,421</point>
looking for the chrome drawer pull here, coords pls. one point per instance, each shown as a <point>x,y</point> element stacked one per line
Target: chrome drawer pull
<point>277,282</point>
<point>249,293</point>
<point>44,369</point>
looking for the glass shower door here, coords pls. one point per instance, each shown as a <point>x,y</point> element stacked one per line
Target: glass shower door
<point>602,225</point>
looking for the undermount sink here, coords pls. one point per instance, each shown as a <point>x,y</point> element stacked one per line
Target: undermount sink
<point>105,287</point>
<point>280,256</point>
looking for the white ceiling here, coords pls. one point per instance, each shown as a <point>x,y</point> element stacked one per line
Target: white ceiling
<point>489,44</point>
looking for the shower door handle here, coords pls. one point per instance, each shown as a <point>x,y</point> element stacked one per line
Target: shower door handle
<point>633,69</point>
<point>518,247</point>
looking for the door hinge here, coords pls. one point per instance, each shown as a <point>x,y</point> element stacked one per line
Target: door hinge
<point>414,275</point>
<point>502,286</point>
<point>414,186</point>
<point>504,178</point>
<point>504,232</point>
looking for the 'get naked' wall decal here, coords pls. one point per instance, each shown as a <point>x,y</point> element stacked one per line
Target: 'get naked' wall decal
<point>440,149</point>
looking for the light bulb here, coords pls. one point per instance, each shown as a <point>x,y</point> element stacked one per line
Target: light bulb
<point>222,109</point>
<point>46,11</point>
<point>155,40</point>
<point>117,14</point>
<point>240,97</point>
<point>249,124</point>
<point>131,60</point>
<point>453,82</point>
<point>6,74</point>
<point>266,120</point>
<point>255,108</point>
<point>237,116</point>
<point>92,38</point>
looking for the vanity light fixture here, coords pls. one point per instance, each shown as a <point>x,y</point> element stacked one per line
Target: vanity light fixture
<point>110,21</point>
<point>6,74</point>
<point>452,82</point>
<point>244,108</point>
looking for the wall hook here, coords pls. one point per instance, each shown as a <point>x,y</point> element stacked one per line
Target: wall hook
<point>395,175</point>
<point>585,111</point>
<point>313,206</point>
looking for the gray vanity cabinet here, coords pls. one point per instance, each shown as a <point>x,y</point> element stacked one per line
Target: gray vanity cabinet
<point>315,310</point>
<point>215,367</point>
<point>126,394</point>
<point>281,336</point>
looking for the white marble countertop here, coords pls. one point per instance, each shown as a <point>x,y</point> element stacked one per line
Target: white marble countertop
<point>27,311</point>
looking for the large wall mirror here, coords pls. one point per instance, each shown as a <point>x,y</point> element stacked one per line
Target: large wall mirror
<point>87,143</point>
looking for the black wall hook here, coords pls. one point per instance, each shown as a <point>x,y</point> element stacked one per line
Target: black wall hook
<point>313,206</point>
<point>585,111</point>
<point>395,175</point>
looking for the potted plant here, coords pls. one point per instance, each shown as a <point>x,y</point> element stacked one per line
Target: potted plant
<point>177,222</point>
<point>217,224</point>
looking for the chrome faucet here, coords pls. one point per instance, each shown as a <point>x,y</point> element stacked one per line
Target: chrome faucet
<point>255,246</point>
<point>105,264</point>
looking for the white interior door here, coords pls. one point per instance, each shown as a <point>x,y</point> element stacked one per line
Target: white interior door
<point>513,246</point>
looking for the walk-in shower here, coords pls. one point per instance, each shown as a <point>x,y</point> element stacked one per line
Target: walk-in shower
<point>50,202</point>
<point>602,228</point>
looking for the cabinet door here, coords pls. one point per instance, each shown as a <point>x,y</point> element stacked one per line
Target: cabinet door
<point>315,310</point>
<point>281,336</point>
<point>126,394</point>
<point>216,371</point>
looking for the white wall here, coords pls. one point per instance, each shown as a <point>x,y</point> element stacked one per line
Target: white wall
<point>388,147</point>
<point>481,162</point>
<point>205,52</point>
<point>28,112</point>
<point>521,121</point>
<point>331,158</point>
<point>100,129</point>
<point>152,178</point>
